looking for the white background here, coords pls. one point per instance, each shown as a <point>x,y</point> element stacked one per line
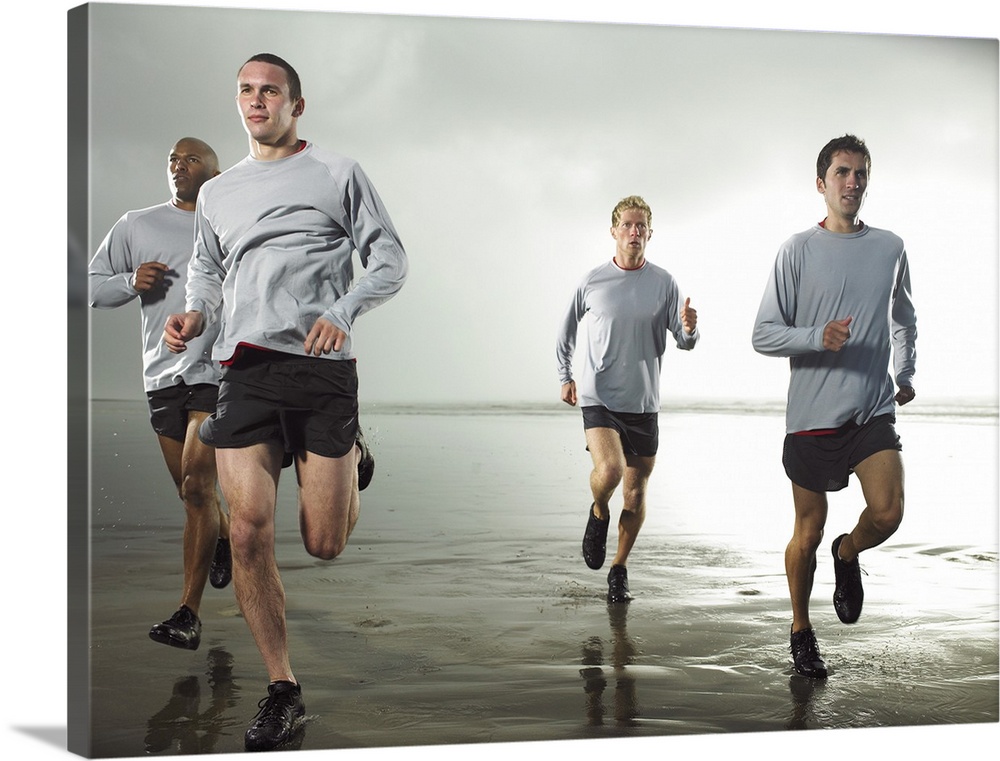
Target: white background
<point>34,136</point>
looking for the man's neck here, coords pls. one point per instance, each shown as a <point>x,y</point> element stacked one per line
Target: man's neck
<point>626,262</point>
<point>841,225</point>
<point>281,150</point>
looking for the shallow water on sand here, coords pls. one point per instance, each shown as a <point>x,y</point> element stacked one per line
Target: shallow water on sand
<point>462,612</point>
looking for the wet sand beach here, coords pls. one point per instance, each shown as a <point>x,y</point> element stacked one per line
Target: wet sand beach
<point>462,612</point>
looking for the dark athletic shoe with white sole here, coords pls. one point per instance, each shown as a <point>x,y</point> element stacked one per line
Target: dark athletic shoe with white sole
<point>805,655</point>
<point>183,629</point>
<point>279,717</point>
<point>848,594</point>
<point>595,539</point>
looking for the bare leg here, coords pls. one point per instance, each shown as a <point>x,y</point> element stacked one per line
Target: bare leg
<point>192,467</point>
<point>800,554</point>
<point>881,477</point>
<point>249,479</point>
<point>605,448</point>
<point>633,512</point>
<point>611,468</point>
<point>329,504</point>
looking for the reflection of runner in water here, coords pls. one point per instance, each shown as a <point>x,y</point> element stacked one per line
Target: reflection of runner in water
<point>630,305</point>
<point>183,725</point>
<point>623,654</point>
<point>276,235</point>
<point>145,256</point>
<point>836,302</point>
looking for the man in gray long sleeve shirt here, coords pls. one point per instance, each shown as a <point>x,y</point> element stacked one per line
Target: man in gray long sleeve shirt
<point>272,266</point>
<point>631,306</point>
<point>145,256</point>
<point>837,304</point>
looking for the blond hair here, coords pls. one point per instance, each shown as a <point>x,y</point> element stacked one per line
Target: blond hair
<point>631,202</point>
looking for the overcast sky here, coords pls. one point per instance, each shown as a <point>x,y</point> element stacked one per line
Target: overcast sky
<point>500,146</point>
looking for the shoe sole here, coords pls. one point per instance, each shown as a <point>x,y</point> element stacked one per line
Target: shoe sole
<point>804,675</point>
<point>297,724</point>
<point>166,639</point>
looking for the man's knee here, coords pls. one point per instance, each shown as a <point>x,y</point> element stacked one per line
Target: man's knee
<point>198,493</point>
<point>326,527</point>
<point>888,515</point>
<point>609,473</point>
<point>634,499</point>
<point>808,537</point>
<point>325,547</point>
<point>249,539</point>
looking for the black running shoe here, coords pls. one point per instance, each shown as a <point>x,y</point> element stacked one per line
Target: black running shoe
<point>848,595</point>
<point>222,565</point>
<point>595,540</point>
<point>805,655</point>
<point>618,584</point>
<point>280,715</point>
<point>366,465</point>
<point>183,629</point>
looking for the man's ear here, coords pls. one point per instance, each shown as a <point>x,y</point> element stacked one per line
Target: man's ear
<point>299,107</point>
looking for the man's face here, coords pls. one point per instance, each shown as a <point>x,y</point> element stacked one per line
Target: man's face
<point>845,185</point>
<point>189,166</point>
<point>631,234</point>
<point>265,104</point>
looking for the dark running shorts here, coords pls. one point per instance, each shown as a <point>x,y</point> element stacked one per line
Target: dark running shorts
<point>169,407</point>
<point>301,403</point>
<point>825,462</point>
<point>639,431</point>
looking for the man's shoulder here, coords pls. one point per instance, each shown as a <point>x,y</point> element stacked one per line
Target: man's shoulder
<point>658,271</point>
<point>336,163</point>
<point>160,209</point>
<point>596,272</point>
<point>233,174</point>
<point>881,234</point>
<point>798,239</point>
<point>159,214</point>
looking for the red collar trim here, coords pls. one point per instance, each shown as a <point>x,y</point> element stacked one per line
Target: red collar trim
<point>628,269</point>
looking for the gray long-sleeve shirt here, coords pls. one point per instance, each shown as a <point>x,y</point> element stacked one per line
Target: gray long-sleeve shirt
<point>273,251</point>
<point>820,276</point>
<point>161,233</point>
<point>630,314</point>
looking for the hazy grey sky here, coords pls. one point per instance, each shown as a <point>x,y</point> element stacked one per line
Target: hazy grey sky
<point>500,147</point>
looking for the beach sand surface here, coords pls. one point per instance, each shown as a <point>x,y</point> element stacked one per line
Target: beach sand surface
<point>462,612</point>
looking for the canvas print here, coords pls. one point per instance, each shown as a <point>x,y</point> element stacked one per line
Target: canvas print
<point>444,381</point>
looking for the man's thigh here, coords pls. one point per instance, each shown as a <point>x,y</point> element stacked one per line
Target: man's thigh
<point>638,470</point>
<point>605,447</point>
<point>249,480</point>
<point>327,489</point>
<point>198,458</point>
<point>881,477</point>
<point>811,509</point>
